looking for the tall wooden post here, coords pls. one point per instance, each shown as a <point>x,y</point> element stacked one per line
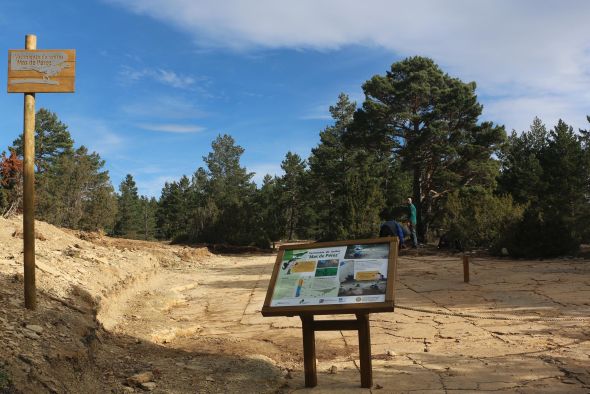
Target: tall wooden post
<point>32,71</point>
<point>29,191</point>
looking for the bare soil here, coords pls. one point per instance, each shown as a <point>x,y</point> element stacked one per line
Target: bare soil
<point>189,321</point>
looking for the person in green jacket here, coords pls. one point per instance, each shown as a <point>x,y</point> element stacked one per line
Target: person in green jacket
<point>412,222</point>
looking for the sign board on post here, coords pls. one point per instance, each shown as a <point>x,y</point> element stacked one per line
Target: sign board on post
<point>41,71</point>
<point>354,277</point>
<point>32,71</point>
<point>330,278</point>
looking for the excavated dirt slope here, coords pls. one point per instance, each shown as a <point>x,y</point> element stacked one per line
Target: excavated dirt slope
<point>130,316</point>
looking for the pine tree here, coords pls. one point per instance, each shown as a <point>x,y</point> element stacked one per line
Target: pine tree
<point>345,181</point>
<point>128,223</point>
<point>429,120</point>
<point>52,140</point>
<point>549,172</point>
<point>272,217</point>
<point>72,190</point>
<point>77,193</point>
<point>230,195</point>
<point>521,172</point>
<point>292,193</point>
<point>148,217</point>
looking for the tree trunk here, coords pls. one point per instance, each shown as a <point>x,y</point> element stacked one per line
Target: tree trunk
<point>417,191</point>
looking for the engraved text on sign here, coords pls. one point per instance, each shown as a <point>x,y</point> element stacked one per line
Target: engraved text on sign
<point>41,71</point>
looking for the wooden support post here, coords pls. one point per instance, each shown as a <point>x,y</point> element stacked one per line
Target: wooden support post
<point>361,324</point>
<point>309,366</point>
<point>29,191</point>
<point>365,350</point>
<point>465,268</point>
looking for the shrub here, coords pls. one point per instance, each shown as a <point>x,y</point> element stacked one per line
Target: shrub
<point>478,218</point>
<point>540,235</point>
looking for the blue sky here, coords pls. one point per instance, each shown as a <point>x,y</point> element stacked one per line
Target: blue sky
<point>158,80</point>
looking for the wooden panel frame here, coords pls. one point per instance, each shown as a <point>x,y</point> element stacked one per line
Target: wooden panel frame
<point>356,308</point>
<point>61,80</point>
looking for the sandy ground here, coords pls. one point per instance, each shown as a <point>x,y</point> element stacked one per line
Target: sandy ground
<point>190,322</point>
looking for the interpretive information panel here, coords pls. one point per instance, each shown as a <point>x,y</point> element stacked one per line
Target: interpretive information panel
<point>344,273</point>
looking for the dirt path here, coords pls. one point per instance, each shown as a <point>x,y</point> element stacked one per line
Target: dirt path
<point>189,321</point>
<point>215,309</point>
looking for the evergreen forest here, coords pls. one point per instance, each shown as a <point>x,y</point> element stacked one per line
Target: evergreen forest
<point>417,134</point>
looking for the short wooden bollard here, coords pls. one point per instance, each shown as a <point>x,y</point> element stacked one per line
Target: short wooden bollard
<point>465,268</point>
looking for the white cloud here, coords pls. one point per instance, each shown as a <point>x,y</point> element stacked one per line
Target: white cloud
<point>164,107</point>
<point>171,128</point>
<point>165,77</point>
<point>318,112</point>
<point>518,112</point>
<point>537,50</point>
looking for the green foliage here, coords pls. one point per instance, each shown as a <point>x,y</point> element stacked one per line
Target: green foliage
<point>5,382</point>
<point>173,211</point>
<point>584,210</point>
<point>549,170</point>
<point>229,195</point>
<point>136,215</point>
<point>521,170</point>
<point>218,205</point>
<point>148,209</point>
<point>292,193</point>
<point>129,215</point>
<point>71,188</point>
<point>76,193</point>
<point>477,217</point>
<point>540,235</point>
<point>272,218</point>
<point>429,121</point>
<point>52,140</point>
<point>346,186</point>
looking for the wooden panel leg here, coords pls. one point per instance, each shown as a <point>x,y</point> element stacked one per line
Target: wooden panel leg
<point>365,350</point>
<point>311,378</point>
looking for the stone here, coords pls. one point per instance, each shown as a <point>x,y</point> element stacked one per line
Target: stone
<point>35,328</point>
<point>148,386</point>
<point>26,358</point>
<point>31,334</point>
<point>139,378</point>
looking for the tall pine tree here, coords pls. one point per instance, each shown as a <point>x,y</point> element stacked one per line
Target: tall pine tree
<point>430,121</point>
<point>129,215</point>
<point>345,181</point>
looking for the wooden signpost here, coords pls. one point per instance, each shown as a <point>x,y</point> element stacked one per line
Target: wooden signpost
<point>349,277</point>
<point>33,71</point>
